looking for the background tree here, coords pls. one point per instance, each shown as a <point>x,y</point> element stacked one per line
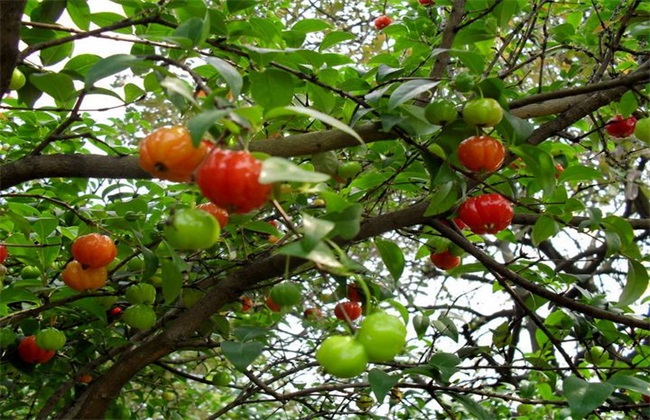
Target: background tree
<point>547,318</point>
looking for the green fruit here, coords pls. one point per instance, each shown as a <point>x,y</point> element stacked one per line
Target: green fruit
<point>482,112</point>
<point>642,129</point>
<point>463,82</point>
<point>141,317</point>
<point>365,402</point>
<point>382,335</point>
<point>596,355</point>
<point>286,294</point>
<point>326,162</point>
<point>30,272</point>
<point>17,80</point>
<point>349,170</point>
<point>168,396</point>
<point>524,409</point>
<point>192,230</point>
<point>191,296</point>
<point>50,339</point>
<point>141,293</point>
<point>7,337</point>
<point>135,264</point>
<point>441,112</point>
<point>222,379</point>
<point>342,356</point>
<point>421,324</point>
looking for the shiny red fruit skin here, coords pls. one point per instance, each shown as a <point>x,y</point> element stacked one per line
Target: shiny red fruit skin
<point>246,303</point>
<point>3,253</point>
<point>425,2</point>
<point>487,213</point>
<point>355,293</point>
<point>220,214</point>
<point>272,305</point>
<point>445,260</point>
<point>93,250</point>
<point>382,21</point>
<point>481,153</point>
<point>230,179</point>
<point>352,309</point>
<point>620,127</point>
<point>29,352</point>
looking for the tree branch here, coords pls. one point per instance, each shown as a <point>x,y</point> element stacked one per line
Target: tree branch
<point>10,14</point>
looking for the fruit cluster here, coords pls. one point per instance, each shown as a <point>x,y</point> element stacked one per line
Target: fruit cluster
<point>88,271</point>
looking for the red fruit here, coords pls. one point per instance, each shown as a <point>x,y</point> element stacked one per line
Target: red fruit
<point>230,179</point>
<point>558,170</point>
<point>93,250</point>
<point>116,311</point>
<point>487,213</point>
<point>169,153</point>
<point>355,293</point>
<point>347,311</point>
<point>445,260</point>
<point>382,21</point>
<point>645,398</point>
<point>220,214</point>
<point>459,223</point>
<point>620,127</point>
<point>85,379</point>
<point>29,352</point>
<point>481,153</point>
<point>272,305</point>
<point>426,2</point>
<point>246,303</point>
<point>312,313</point>
<point>78,278</point>
<point>3,253</point>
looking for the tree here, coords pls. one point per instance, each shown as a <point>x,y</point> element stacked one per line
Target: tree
<point>544,318</point>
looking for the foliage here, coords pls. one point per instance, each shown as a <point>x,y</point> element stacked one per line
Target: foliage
<point>507,331</point>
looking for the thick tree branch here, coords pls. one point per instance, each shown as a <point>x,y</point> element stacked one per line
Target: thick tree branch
<point>10,14</point>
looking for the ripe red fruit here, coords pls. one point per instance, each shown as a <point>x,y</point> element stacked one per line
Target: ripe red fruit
<point>85,379</point>
<point>272,305</point>
<point>620,127</point>
<point>29,352</point>
<point>355,293</point>
<point>169,153</point>
<point>382,21</point>
<point>481,153</point>
<point>93,250</point>
<point>76,277</point>
<point>558,170</point>
<point>347,311</point>
<point>445,260</point>
<point>230,179</point>
<point>312,313</point>
<point>246,303</point>
<point>459,223</point>
<point>115,312</point>
<point>220,214</point>
<point>487,213</point>
<point>3,253</point>
<point>426,2</point>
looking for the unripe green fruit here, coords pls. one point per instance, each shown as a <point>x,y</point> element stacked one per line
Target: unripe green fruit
<point>7,337</point>
<point>140,316</point>
<point>286,294</point>
<point>17,80</point>
<point>463,82</point>
<point>642,130</point>
<point>421,324</point>
<point>382,335</point>
<point>222,379</point>
<point>326,162</point>
<point>30,272</point>
<point>365,402</point>
<point>141,293</point>
<point>441,112</point>
<point>482,112</point>
<point>349,170</point>
<point>596,355</point>
<point>50,339</point>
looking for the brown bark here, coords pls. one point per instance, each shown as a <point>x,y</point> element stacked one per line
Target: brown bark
<point>10,17</point>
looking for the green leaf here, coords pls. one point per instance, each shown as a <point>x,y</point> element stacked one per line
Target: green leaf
<point>392,256</point>
<point>291,110</point>
<point>57,53</point>
<point>381,383</point>
<point>89,305</point>
<point>58,85</point>
<point>241,355</point>
<point>544,228</point>
<point>201,123</point>
<point>409,90</point>
<point>81,64</point>
<point>583,396</point>
<point>276,169</point>
<point>475,410</point>
<point>193,30</point>
<point>636,284</point>
<point>314,231</point>
<point>446,327</point>
<point>238,5</point>
<point>333,38</point>
<point>48,11</point>
<point>229,73</point>
<point>79,12</point>
<point>580,173</point>
<point>348,221</point>
<point>514,130</point>
<point>132,92</point>
<point>172,280</point>
<point>632,383</point>
<point>311,25</point>
<point>110,66</point>
<point>445,365</point>
<point>443,198</point>
<point>271,88</point>
<point>628,103</point>
<point>320,254</point>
